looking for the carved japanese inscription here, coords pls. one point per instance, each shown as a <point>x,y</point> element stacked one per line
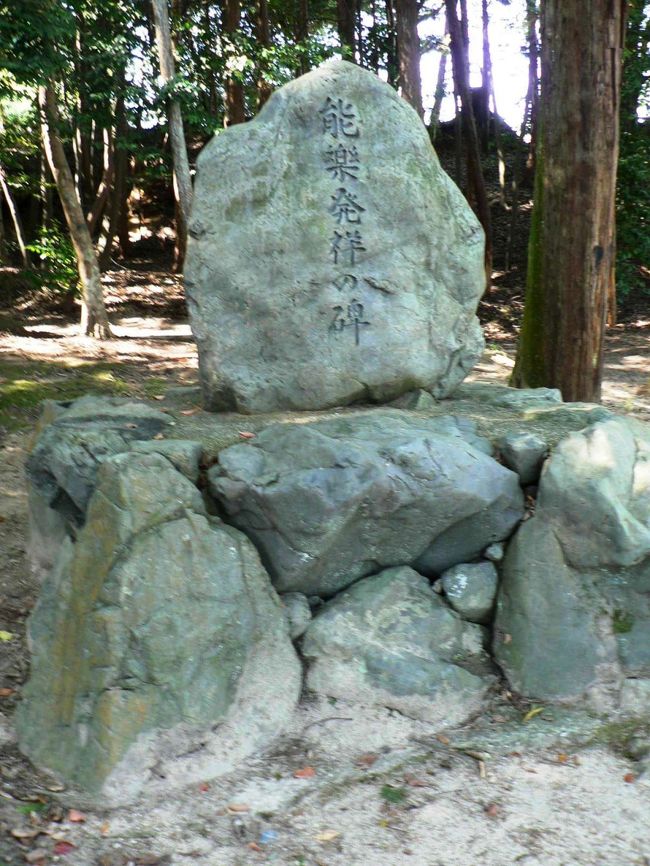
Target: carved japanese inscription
<point>342,162</point>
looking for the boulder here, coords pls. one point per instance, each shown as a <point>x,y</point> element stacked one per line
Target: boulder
<point>331,260</point>
<point>471,590</point>
<point>297,611</point>
<point>389,640</point>
<point>573,614</point>
<point>524,453</point>
<point>161,654</point>
<point>332,501</point>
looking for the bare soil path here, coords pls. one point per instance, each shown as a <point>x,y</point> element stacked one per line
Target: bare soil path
<point>557,790</point>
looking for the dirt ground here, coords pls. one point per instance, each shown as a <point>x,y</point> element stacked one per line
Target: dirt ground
<point>347,786</point>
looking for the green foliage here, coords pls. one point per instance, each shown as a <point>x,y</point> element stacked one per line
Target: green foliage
<point>395,796</point>
<point>633,213</point>
<point>58,274</point>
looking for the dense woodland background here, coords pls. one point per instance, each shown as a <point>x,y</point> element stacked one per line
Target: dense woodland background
<point>104,107</point>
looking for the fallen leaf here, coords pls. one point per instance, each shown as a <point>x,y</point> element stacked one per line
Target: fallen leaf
<point>204,787</point>
<point>191,411</point>
<point>63,848</point>
<point>562,758</point>
<point>76,816</point>
<point>304,773</point>
<point>158,396</point>
<point>532,713</point>
<point>6,692</point>
<point>442,739</point>
<point>367,760</point>
<point>327,835</point>
<point>26,832</point>
<point>244,434</point>
<point>414,782</point>
<point>36,855</point>
<point>254,846</point>
<point>159,436</point>
<point>6,635</point>
<point>499,720</point>
<point>491,810</point>
<point>238,807</point>
<point>629,777</point>
<point>105,829</point>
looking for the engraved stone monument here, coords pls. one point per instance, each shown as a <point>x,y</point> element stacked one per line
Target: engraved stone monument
<point>331,259</point>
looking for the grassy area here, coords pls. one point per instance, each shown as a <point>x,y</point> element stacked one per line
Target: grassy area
<point>25,384</point>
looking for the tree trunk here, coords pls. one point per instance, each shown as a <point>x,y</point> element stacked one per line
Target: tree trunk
<point>235,105</point>
<point>346,26</point>
<point>116,197</point>
<point>572,240</point>
<point>302,35</point>
<point>101,197</point>
<point>182,177</point>
<point>15,218</point>
<point>438,96</point>
<point>475,182</point>
<point>94,320</point>
<point>263,33</point>
<point>408,52</point>
<point>392,65</point>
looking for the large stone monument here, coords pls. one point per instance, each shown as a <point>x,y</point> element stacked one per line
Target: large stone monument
<point>331,259</point>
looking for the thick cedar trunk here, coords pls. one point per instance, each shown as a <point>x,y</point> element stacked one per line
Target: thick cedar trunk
<point>475,181</point>
<point>15,218</point>
<point>408,52</point>
<point>182,177</point>
<point>263,33</point>
<point>235,106</point>
<point>572,243</point>
<point>346,26</point>
<point>94,321</point>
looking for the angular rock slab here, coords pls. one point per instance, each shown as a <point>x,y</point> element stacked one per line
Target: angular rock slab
<point>331,259</point>
<point>390,640</point>
<point>161,654</point>
<point>329,502</point>
<point>574,599</point>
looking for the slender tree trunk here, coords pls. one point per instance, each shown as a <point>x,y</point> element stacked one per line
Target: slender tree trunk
<point>182,177</point>
<point>235,105</point>
<point>302,35</point>
<point>572,240</point>
<point>408,52</point>
<point>94,320</point>
<point>263,33</point>
<point>483,121</point>
<point>438,96</point>
<point>15,218</point>
<point>392,64</point>
<point>346,26</point>
<point>101,197</point>
<point>116,197</point>
<point>475,180</point>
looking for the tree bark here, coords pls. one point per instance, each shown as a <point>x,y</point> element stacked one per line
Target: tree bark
<point>408,52</point>
<point>181,174</point>
<point>392,64</point>
<point>235,105</point>
<point>572,242</point>
<point>346,26</point>
<point>439,95</point>
<point>263,33</point>
<point>101,197</point>
<point>94,320</point>
<point>15,218</point>
<point>116,197</point>
<point>475,181</point>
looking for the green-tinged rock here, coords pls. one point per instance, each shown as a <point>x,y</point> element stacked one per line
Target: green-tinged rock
<point>574,606</point>
<point>505,397</point>
<point>160,649</point>
<point>183,453</point>
<point>331,260</point>
<point>390,640</point>
<point>330,502</point>
<point>471,588</point>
